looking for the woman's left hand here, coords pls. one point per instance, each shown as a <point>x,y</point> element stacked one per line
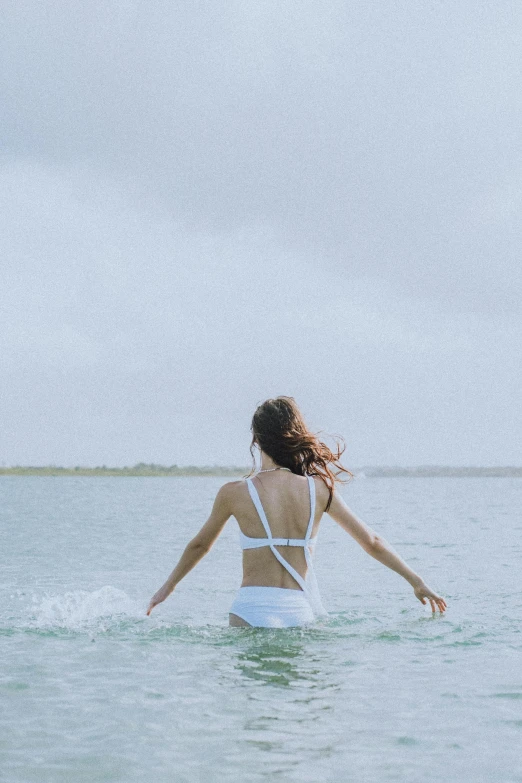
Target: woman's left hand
<point>158,598</point>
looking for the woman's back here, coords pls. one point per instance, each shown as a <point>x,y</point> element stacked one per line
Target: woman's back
<point>285,499</point>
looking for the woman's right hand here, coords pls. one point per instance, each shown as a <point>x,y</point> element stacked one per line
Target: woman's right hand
<point>424,593</point>
<point>158,598</point>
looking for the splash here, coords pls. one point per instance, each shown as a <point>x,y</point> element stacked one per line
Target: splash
<point>83,610</point>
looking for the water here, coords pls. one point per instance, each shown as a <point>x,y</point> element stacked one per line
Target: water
<point>93,690</point>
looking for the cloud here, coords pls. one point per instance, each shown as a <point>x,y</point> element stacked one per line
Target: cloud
<point>204,206</point>
<point>379,139</point>
<point>127,334</point>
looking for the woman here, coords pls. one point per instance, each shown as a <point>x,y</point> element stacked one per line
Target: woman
<point>278,512</point>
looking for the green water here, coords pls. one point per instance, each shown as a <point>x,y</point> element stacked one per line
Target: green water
<point>93,690</point>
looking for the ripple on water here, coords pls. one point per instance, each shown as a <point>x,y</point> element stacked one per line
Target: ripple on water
<point>387,636</point>
<point>407,741</point>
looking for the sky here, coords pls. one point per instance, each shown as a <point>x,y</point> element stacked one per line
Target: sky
<point>206,204</point>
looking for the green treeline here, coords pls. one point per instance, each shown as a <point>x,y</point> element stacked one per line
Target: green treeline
<point>440,471</point>
<point>141,469</point>
<point>144,469</point>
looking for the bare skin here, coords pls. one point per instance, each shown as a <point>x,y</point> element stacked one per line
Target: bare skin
<point>285,499</point>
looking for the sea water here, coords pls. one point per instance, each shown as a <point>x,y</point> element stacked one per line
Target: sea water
<point>381,690</point>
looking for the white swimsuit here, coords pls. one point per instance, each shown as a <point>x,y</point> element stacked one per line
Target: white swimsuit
<point>280,607</point>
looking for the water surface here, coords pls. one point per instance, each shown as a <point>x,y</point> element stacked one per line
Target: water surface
<point>93,690</point>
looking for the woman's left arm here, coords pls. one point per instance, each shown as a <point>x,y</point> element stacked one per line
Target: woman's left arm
<point>199,546</point>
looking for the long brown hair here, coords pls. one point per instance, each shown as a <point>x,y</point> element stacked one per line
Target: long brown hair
<point>278,428</point>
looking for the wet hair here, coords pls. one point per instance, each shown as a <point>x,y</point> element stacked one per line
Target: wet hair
<point>278,428</point>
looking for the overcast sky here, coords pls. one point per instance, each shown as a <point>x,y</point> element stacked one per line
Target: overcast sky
<point>204,204</point>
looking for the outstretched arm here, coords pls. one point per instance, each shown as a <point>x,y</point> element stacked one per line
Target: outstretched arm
<point>198,547</point>
<point>378,548</point>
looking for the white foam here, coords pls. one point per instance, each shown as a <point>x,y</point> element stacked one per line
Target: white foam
<point>82,609</point>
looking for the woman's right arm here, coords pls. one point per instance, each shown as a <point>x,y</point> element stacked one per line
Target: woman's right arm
<point>378,548</point>
<point>199,546</point>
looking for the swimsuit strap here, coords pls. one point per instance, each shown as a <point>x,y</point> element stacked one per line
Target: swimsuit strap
<point>311,486</point>
<point>259,507</point>
<point>270,541</point>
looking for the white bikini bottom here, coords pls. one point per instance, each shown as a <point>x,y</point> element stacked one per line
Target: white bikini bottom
<point>272,607</point>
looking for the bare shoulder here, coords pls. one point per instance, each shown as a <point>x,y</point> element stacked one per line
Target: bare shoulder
<point>228,492</point>
<point>232,486</point>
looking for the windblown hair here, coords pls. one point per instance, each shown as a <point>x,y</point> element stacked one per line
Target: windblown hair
<point>278,428</point>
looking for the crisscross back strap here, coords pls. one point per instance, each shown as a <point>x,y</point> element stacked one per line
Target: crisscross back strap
<point>259,507</point>
<point>270,540</point>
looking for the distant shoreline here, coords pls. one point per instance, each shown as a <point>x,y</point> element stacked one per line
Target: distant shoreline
<point>152,470</point>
